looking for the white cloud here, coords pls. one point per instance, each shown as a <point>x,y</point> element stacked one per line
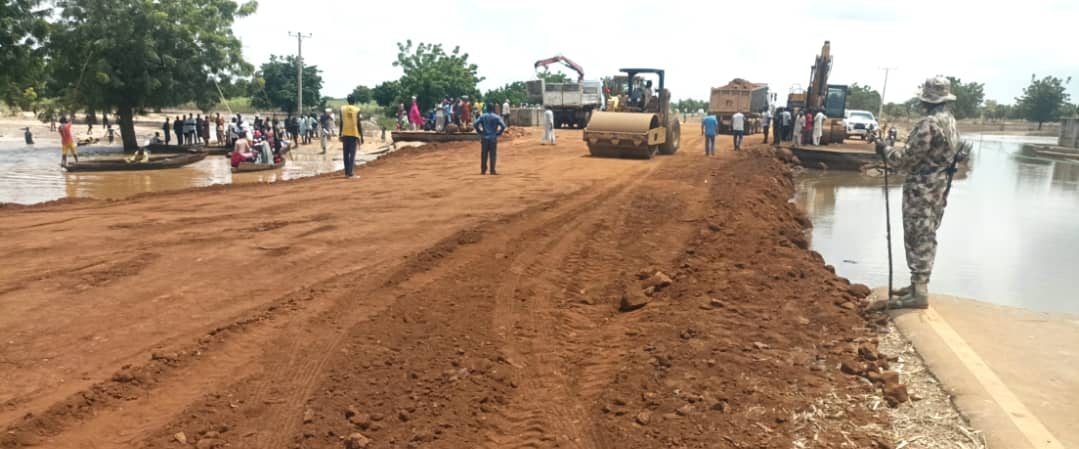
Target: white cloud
<point>700,44</point>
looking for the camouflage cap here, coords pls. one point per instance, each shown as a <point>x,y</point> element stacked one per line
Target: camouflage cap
<point>936,90</point>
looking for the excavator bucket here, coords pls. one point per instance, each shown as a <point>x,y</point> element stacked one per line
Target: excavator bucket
<point>636,135</point>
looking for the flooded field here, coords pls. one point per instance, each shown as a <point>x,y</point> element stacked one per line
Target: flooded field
<point>32,174</point>
<point>1010,234</point>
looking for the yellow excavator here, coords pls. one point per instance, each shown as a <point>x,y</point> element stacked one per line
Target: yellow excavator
<point>831,98</point>
<point>637,123</point>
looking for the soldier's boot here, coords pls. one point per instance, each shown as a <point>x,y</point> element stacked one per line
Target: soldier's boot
<point>916,298</point>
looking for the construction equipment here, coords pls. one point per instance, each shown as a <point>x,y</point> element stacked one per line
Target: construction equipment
<point>739,96</point>
<point>637,123</point>
<point>572,103</point>
<point>831,98</point>
<point>565,61</point>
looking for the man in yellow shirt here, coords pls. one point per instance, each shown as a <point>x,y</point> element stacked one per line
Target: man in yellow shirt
<point>351,131</point>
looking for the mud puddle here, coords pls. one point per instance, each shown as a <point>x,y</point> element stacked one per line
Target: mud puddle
<point>1010,234</point>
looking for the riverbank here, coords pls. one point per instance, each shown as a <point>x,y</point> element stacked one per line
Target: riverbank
<point>426,304</point>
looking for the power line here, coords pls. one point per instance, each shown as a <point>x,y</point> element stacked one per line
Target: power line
<point>299,68</point>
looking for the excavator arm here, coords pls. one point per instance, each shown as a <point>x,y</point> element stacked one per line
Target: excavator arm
<point>565,61</point>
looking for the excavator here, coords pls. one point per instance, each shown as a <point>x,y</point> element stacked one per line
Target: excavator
<point>637,123</point>
<point>832,98</point>
<point>565,61</point>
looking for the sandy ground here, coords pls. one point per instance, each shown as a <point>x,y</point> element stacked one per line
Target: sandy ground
<point>425,305</point>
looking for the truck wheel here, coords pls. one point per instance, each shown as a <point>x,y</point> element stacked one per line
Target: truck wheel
<point>674,137</point>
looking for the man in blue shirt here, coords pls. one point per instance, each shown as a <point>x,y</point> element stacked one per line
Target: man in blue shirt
<point>490,126</point>
<point>709,127</point>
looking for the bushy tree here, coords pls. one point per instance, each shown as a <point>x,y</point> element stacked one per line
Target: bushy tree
<point>23,34</point>
<point>129,55</point>
<point>516,92</point>
<point>275,84</point>
<point>431,74</point>
<point>896,110</point>
<point>969,97</point>
<point>690,105</point>
<point>551,78</point>
<point>387,92</point>
<point>863,97</point>
<point>992,110</point>
<point>1044,99</point>
<point>363,94</point>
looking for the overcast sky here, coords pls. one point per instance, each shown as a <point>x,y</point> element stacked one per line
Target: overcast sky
<point>700,44</point>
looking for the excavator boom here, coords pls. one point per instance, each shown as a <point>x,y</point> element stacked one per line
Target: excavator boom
<point>565,61</point>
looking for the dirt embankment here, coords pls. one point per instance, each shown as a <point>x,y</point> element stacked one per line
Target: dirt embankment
<point>427,306</point>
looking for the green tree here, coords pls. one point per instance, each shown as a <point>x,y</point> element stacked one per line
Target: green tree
<point>516,92</point>
<point>968,96</point>
<point>387,92</point>
<point>129,55</point>
<point>863,97</point>
<point>1044,99</point>
<point>690,105</point>
<point>551,78</point>
<point>363,94</point>
<point>23,35</point>
<point>276,84</point>
<point>431,74</point>
<point>992,110</point>
<point>896,110</point>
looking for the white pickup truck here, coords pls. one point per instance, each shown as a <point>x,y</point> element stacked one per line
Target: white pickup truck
<point>572,103</point>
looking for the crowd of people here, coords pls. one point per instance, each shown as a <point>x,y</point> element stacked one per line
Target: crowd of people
<point>461,112</point>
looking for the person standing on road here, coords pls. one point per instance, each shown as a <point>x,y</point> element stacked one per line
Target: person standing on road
<point>67,142</point>
<point>506,111</point>
<point>799,126</point>
<point>818,127</point>
<point>351,132</point>
<point>787,119</point>
<point>929,159</point>
<point>709,127</point>
<point>327,124</point>
<point>490,126</point>
<point>738,128</point>
<point>766,121</point>
<point>777,128</point>
<point>548,126</point>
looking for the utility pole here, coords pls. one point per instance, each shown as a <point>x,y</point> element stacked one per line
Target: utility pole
<point>299,68</point>
<point>884,91</point>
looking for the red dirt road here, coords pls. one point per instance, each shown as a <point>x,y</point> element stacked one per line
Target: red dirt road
<point>424,305</point>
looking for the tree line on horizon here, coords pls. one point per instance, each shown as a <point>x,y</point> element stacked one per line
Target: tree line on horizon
<point>127,57</point>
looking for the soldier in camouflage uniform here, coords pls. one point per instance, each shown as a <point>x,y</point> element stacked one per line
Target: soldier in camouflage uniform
<point>932,149</point>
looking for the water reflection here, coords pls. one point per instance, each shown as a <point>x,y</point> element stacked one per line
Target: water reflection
<point>1010,234</point>
<point>32,174</point>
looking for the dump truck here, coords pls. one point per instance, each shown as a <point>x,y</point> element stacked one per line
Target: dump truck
<point>638,121</point>
<point>572,103</point>
<point>739,96</point>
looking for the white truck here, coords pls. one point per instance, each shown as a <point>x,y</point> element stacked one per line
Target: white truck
<point>571,102</point>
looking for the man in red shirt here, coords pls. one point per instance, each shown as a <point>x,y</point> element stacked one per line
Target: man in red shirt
<point>67,142</point>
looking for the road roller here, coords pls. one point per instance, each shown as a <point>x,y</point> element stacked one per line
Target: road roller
<point>638,122</point>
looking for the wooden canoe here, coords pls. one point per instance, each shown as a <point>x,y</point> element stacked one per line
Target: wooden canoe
<point>156,148</point>
<point>155,163</point>
<point>251,166</point>
<point>431,136</point>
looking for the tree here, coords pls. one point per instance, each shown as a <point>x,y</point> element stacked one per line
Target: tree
<point>431,74</point>
<point>363,94</point>
<point>551,78</point>
<point>863,97</point>
<point>968,96</point>
<point>690,105</point>
<point>387,92</point>
<point>516,93</point>
<point>996,111</point>
<point>276,84</point>
<point>896,110</point>
<point>1044,99</point>
<point>23,35</point>
<point>129,55</point>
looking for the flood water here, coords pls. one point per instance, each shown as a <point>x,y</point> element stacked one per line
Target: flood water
<point>32,174</point>
<point>1010,233</point>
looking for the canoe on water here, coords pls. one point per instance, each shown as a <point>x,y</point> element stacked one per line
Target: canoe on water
<point>155,163</point>
<point>156,148</point>
<point>251,166</point>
